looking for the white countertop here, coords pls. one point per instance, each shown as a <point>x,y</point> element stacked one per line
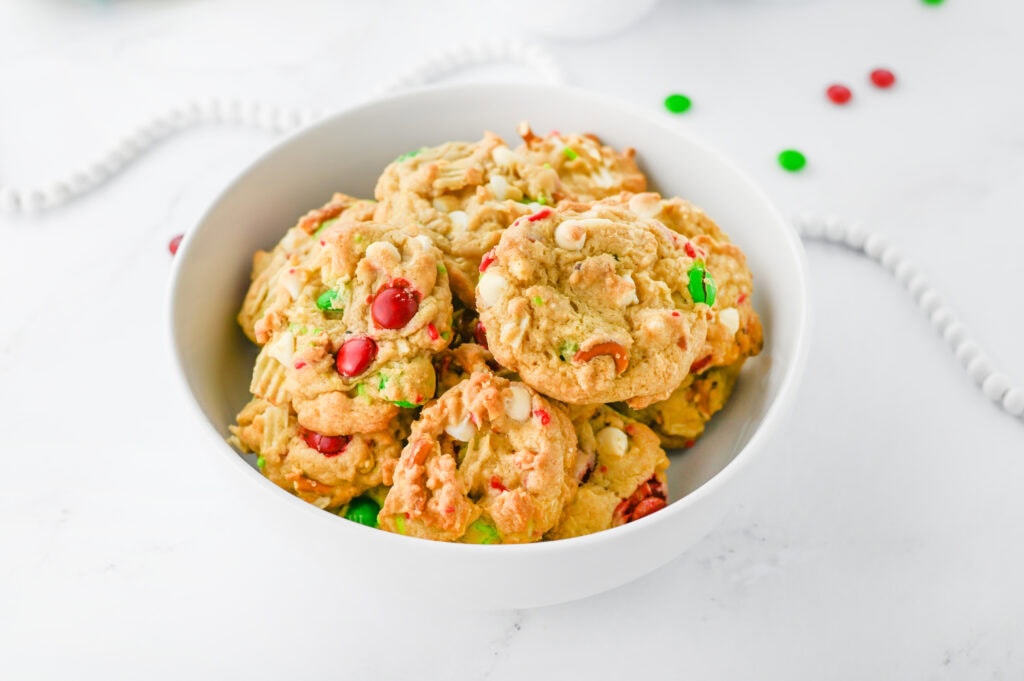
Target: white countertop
<point>885,537</point>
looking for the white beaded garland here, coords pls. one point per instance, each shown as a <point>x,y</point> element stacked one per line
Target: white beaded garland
<point>993,384</point>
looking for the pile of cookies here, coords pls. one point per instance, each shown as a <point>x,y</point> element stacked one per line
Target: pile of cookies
<point>498,348</point>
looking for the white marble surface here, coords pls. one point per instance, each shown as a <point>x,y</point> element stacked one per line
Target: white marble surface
<point>884,539</point>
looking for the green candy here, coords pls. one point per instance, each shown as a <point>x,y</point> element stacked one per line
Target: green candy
<point>441,269</point>
<point>363,510</point>
<point>360,389</point>
<point>400,524</point>
<point>328,301</point>
<point>537,300</point>
<point>324,225</point>
<point>261,462</point>
<point>568,350</point>
<point>792,160</point>
<point>702,285</point>
<point>409,154</point>
<point>570,153</point>
<point>677,103</point>
<point>481,531</point>
<point>405,405</point>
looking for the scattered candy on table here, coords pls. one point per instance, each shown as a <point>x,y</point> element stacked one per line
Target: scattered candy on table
<point>839,94</point>
<point>883,78</point>
<point>792,160</point>
<point>175,243</point>
<point>677,103</point>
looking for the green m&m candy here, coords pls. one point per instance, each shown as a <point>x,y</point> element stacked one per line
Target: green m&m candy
<point>481,531</point>
<point>702,285</point>
<point>328,301</point>
<point>363,510</point>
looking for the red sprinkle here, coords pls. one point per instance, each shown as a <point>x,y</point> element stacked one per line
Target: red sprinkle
<point>883,78</point>
<point>489,257</point>
<point>741,298</point>
<point>545,418</point>
<point>540,215</point>
<point>690,250</point>
<point>355,356</point>
<point>839,94</point>
<point>480,334</point>
<point>629,429</point>
<point>175,243</point>
<point>689,443</point>
<point>449,509</point>
<point>675,314</point>
<point>394,305</point>
<point>701,363</point>
<point>432,332</point>
<point>328,445</point>
<point>299,364</point>
<point>497,484</point>
<point>647,506</point>
<point>603,469</point>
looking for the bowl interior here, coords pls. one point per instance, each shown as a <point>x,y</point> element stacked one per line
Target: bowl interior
<point>346,153</point>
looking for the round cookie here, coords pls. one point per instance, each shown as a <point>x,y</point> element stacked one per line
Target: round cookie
<point>464,194</point>
<point>367,313</point>
<point>271,289</point>
<point>490,461</point>
<point>325,471</point>
<point>734,331</point>
<point>586,169</point>
<point>590,303</point>
<point>625,476</point>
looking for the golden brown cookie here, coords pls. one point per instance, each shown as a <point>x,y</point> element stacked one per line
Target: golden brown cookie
<point>325,471</point>
<point>591,303</point>
<point>369,310</point>
<point>491,460</point>
<point>273,280</point>
<point>623,478</point>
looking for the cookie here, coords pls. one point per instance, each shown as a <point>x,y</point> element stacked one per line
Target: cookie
<point>591,303</point>
<point>272,284</point>
<point>327,472</point>
<point>587,170</point>
<point>454,365</point>
<point>680,419</point>
<point>490,461</point>
<point>464,194</point>
<point>367,312</point>
<point>734,331</point>
<point>622,473</point>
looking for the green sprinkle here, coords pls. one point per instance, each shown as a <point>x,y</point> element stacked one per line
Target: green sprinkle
<point>400,524</point>
<point>445,335</point>
<point>358,238</point>
<point>261,462</point>
<point>702,285</point>
<point>317,331</point>
<point>324,225</point>
<point>548,166</point>
<point>382,381</point>
<point>542,200</point>
<point>792,160</point>
<point>568,350</point>
<point>441,269</point>
<point>537,300</point>
<point>363,510</point>
<point>481,531</point>
<point>932,2</point>
<point>570,154</point>
<point>409,154</point>
<point>405,405</point>
<point>360,389</point>
<point>677,103</point>
<point>328,300</point>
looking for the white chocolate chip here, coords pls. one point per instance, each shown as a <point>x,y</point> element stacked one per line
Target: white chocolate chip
<point>611,441</point>
<point>503,156</point>
<point>491,287</point>
<point>513,334</point>
<point>645,205</point>
<point>499,187</point>
<point>628,295</point>
<point>383,254</point>
<point>282,348</point>
<point>603,179</point>
<point>730,319</point>
<point>458,219</point>
<point>517,405</point>
<point>425,242</point>
<point>462,431</point>
<point>292,281</point>
<point>571,235</point>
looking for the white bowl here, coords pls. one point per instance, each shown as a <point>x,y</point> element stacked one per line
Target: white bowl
<point>346,152</point>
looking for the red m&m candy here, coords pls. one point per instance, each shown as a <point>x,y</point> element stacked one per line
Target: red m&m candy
<point>839,94</point>
<point>355,355</point>
<point>883,78</point>
<point>328,445</point>
<point>394,305</point>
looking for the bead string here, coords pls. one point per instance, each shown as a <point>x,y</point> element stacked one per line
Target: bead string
<point>994,384</point>
<point>233,112</point>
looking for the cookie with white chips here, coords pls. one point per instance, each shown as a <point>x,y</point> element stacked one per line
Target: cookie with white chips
<point>591,303</point>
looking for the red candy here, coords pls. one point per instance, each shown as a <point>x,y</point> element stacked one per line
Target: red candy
<point>432,332</point>
<point>545,418</point>
<point>489,257</point>
<point>496,483</point>
<point>839,94</point>
<point>355,355</point>
<point>883,78</point>
<point>394,305</point>
<point>480,334</point>
<point>540,215</point>
<point>175,243</point>
<point>328,445</point>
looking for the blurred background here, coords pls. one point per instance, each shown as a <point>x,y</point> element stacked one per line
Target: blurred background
<point>883,537</point>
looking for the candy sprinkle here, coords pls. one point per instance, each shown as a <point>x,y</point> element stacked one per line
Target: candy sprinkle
<point>933,2</point>
<point>677,103</point>
<point>570,153</point>
<point>261,462</point>
<point>363,510</point>
<point>883,78</point>
<point>839,94</point>
<point>175,244</point>
<point>792,160</point>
